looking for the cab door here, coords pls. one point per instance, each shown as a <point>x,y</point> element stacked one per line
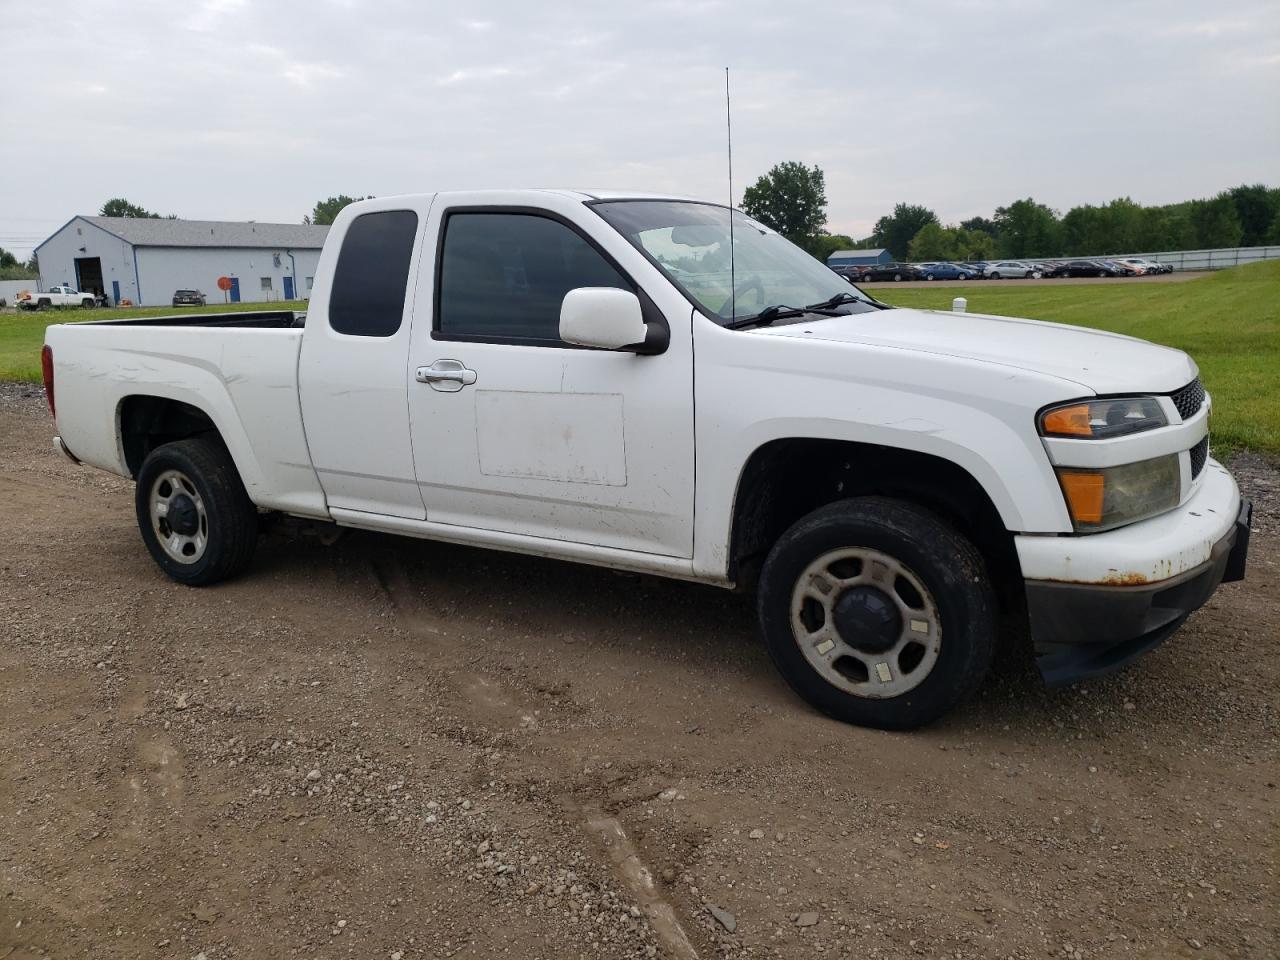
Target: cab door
<point>351,372</point>
<point>518,432</point>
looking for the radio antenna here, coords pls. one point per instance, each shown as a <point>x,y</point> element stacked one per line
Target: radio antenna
<point>728,126</point>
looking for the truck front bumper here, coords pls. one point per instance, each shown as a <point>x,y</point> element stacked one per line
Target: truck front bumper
<point>1095,602</point>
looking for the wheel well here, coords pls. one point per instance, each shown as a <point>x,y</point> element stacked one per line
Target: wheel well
<point>786,479</point>
<point>148,422</point>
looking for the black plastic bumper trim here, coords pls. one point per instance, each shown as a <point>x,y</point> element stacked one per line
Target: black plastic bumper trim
<point>1081,630</point>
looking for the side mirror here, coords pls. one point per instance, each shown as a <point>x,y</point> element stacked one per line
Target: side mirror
<point>602,317</point>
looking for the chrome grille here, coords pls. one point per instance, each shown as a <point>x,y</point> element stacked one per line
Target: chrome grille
<point>1189,399</point>
<point>1199,454</point>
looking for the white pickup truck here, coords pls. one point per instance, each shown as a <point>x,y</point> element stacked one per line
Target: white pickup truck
<point>59,296</point>
<point>611,379</point>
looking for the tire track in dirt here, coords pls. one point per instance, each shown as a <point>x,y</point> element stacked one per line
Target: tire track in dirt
<point>496,705</point>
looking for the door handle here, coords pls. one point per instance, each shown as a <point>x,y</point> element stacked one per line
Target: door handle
<point>447,376</point>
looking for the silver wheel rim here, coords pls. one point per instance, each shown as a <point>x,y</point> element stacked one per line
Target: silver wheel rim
<point>172,492</point>
<point>848,663</point>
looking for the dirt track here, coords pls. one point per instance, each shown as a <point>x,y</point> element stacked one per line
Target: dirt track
<point>393,749</point>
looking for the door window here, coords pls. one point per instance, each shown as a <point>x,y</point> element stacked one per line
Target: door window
<point>372,276</point>
<point>503,276</point>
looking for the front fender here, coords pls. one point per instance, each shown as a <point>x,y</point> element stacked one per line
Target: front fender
<point>978,416</point>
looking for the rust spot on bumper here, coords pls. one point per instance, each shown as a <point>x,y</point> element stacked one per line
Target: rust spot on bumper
<point>1125,579</point>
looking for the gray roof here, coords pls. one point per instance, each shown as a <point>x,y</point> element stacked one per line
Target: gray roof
<point>146,232</point>
<point>857,253</point>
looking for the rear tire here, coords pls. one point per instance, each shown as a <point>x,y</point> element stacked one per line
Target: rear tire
<point>894,658</point>
<point>195,517</point>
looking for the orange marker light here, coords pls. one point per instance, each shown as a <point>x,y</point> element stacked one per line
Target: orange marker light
<point>1069,421</point>
<point>1084,491</point>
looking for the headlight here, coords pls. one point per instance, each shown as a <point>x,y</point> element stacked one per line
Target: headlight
<point>1099,419</point>
<point>1113,496</point>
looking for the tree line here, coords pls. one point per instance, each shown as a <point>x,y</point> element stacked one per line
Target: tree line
<point>791,198</point>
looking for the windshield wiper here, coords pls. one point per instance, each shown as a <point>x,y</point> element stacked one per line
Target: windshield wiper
<point>845,297</point>
<point>779,311</point>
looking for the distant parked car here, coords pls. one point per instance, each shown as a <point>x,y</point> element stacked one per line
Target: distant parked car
<point>1085,268</point>
<point>188,298</point>
<point>1010,269</point>
<point>851,272</point>
<point>892,271</point>
<point>1146,267</point>
<point>1122,268</point>
<point>977,268</point>
<point>947,271</point>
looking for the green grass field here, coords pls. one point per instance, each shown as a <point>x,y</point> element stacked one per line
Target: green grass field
<point>22,333</point>
<point>1229,322</point>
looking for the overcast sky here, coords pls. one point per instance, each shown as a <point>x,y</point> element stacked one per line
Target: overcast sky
<point>254,109</point>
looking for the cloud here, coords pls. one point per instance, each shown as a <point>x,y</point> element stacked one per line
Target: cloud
<point>962,109</point>
<point>473,74</point>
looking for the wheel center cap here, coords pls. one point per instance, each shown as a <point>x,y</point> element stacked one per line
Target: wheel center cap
<point>183,517</point>
<point>867,619</point>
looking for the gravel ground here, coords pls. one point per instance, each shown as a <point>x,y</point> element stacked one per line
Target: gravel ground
<point>395,749</point>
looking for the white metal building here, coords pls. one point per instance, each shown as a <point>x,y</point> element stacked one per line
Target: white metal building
<point>146,260</point>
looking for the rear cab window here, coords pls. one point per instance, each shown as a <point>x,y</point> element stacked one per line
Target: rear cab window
<point>372,276</point>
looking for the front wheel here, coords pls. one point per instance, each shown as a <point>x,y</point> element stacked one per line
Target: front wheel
<point>195,517</point>
<point>897,276</point>
<point>929,276</point>
<point>878,613</point>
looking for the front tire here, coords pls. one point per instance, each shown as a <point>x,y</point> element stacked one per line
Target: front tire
<point>878,613</point>
<point>195,517</point>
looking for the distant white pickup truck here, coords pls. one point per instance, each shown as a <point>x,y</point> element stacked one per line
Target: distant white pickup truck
<point>611,379</point>
<point>59,296</point>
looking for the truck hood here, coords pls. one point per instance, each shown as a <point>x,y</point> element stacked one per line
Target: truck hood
<point>1102,362</point>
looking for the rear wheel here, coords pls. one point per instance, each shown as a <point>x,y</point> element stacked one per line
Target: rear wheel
<point>43,305</point>
<point>878,613</point>
<point>897,276</point>
<point>194,515</point>
<point>929,276</point>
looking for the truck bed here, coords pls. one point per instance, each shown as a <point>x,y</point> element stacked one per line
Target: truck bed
<point>238,369</point>
<point>249,320</point>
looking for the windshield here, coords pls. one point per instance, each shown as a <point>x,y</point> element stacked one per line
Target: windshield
<point>689,242</point>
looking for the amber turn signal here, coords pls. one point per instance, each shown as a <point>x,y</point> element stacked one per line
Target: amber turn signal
<point>1084,490</point>
<point>1069,421</point>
